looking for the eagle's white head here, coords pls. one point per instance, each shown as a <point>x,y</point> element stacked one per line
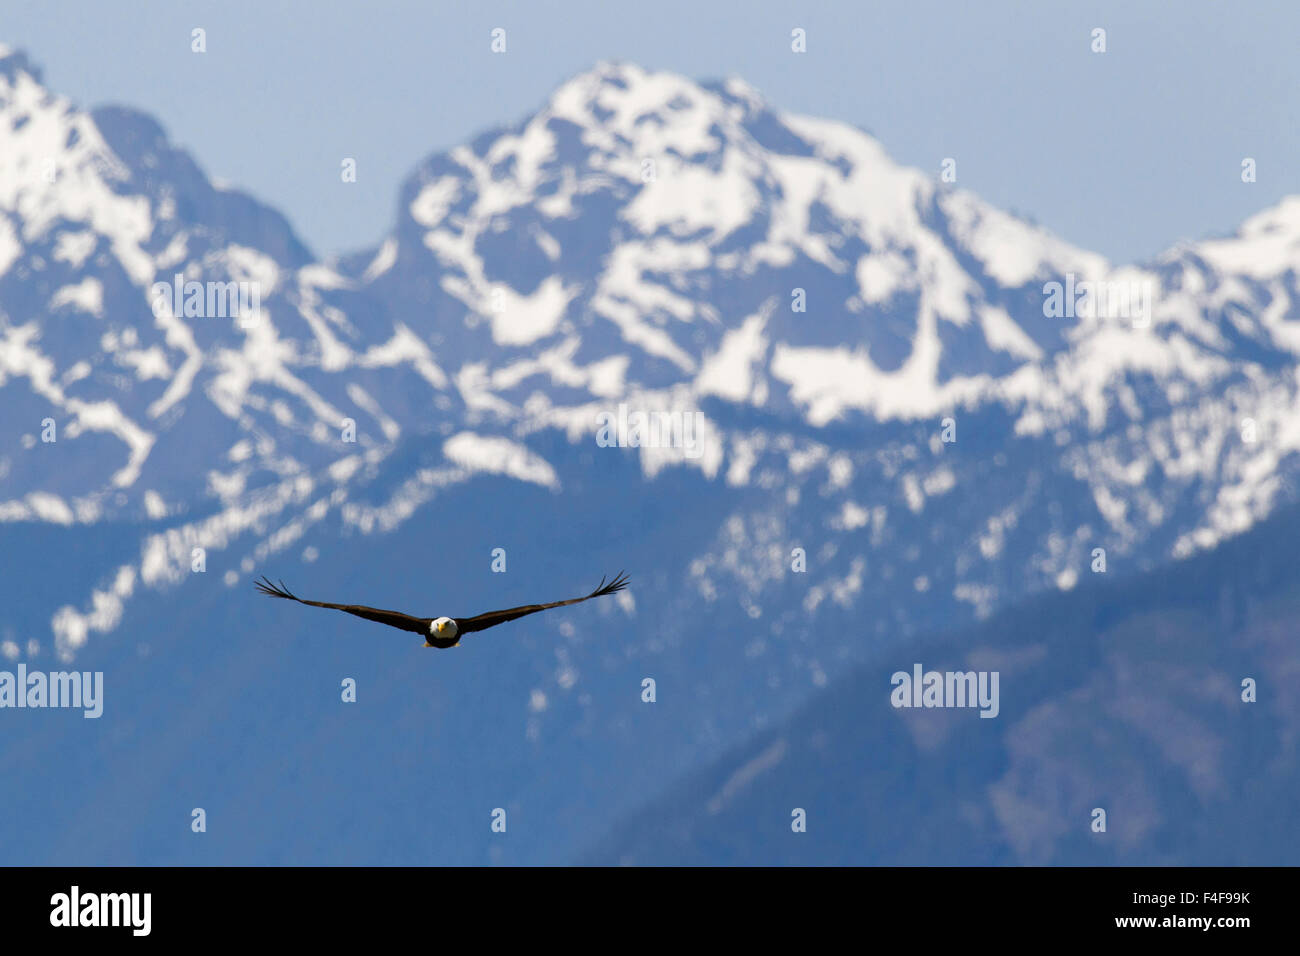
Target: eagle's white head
<point>443,628</point>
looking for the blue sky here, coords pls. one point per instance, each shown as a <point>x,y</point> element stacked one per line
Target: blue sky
<point>1124,152</point>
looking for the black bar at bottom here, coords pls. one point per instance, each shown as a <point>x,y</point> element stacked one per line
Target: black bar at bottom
<point>334,906</point>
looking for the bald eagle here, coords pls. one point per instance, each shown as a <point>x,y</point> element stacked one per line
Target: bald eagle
<point>441,631</point>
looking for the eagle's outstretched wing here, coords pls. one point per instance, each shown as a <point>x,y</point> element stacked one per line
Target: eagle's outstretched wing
<point>420,625</point>
<point>465,625</point>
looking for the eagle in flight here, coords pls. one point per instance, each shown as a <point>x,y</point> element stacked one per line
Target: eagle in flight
<point>441,631</point>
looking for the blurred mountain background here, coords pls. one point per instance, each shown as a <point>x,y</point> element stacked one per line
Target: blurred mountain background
<point>898,441</point>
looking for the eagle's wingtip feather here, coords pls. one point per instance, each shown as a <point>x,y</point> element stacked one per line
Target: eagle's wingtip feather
<point>618,584</point>
<point>267,587</point>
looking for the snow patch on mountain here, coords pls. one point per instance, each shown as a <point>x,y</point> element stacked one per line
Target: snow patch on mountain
<point>499,456</point>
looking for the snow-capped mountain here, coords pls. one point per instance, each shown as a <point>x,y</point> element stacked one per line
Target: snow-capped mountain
<point>640,239</point>
<point>910,414</point>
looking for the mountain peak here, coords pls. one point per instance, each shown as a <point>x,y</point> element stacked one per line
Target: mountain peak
<point>1266,245</point>
<point>625,98</point>
<point>1283,217</point>
<point>14,62</point>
